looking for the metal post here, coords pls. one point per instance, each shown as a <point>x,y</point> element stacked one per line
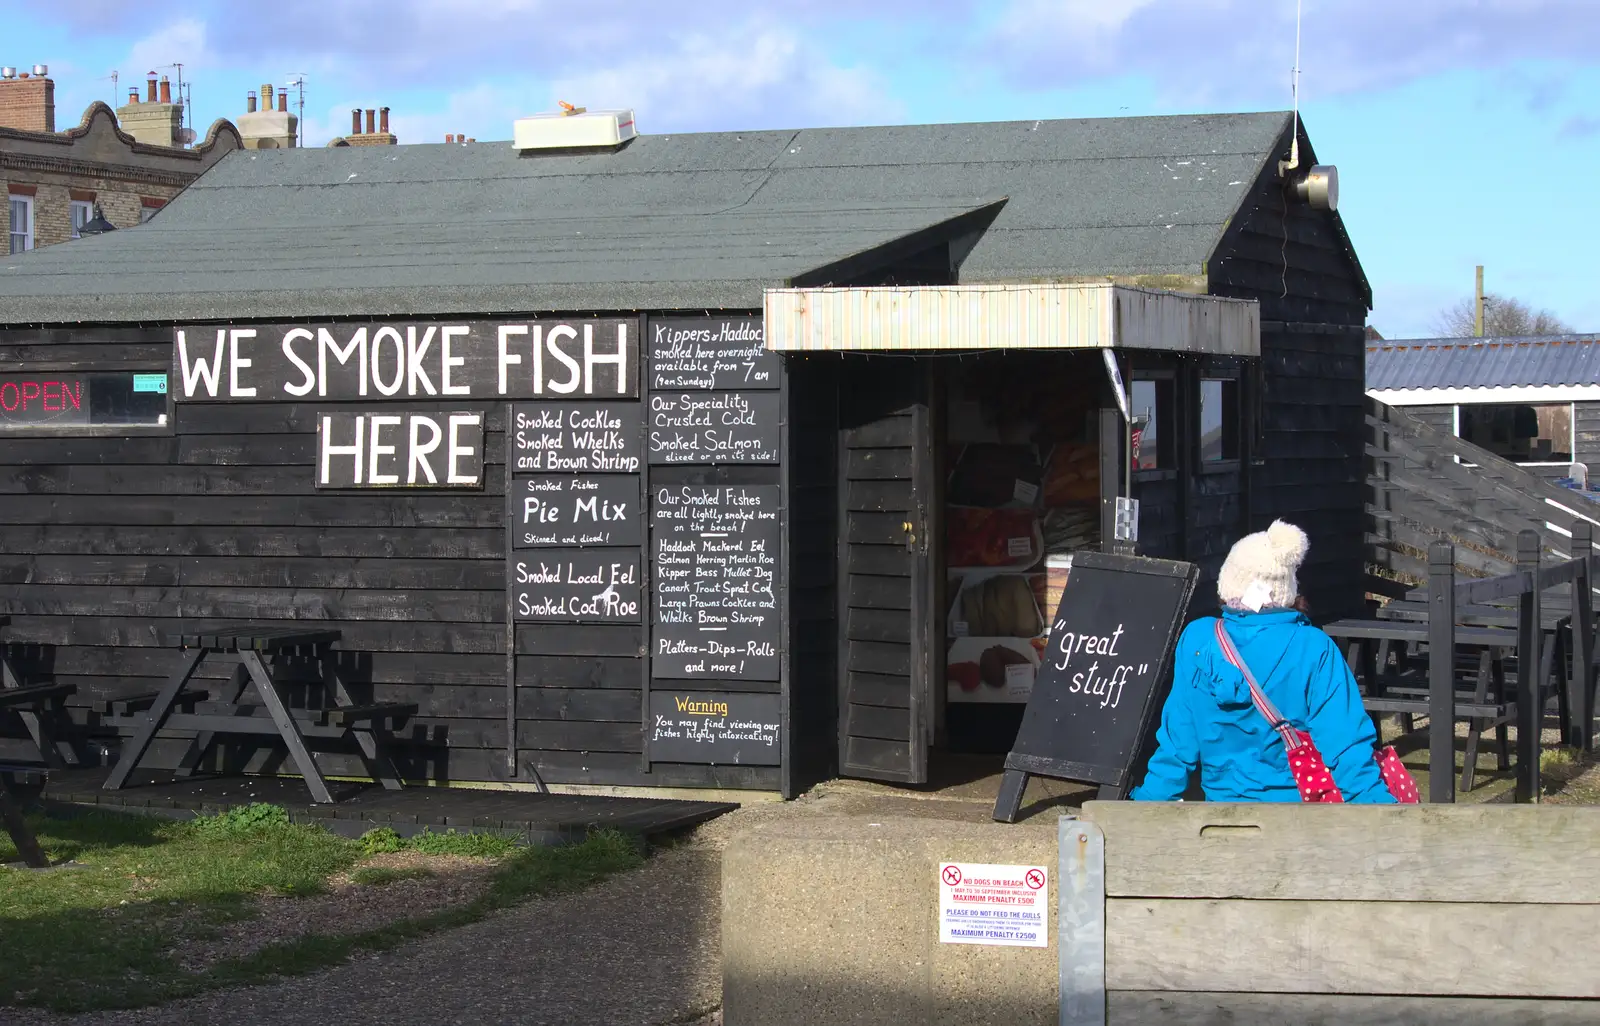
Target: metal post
<point>1441,673</point>
<point>1081,923</point>
<point>1530,689</point>
<point>1580,694</point>
<point>1477,306</point>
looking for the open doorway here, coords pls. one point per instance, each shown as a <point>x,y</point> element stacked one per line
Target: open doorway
<point>1019,454</point>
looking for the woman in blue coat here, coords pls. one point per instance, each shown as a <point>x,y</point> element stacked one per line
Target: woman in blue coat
<point>1209,722</point>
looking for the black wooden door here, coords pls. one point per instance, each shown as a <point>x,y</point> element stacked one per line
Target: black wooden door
<point>887,618</point>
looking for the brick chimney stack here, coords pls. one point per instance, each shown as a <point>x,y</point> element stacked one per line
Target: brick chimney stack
<point>28,102</point>
<point>377,128</point>
<point>264,128</point>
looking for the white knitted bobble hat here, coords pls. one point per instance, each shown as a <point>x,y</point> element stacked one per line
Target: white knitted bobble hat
<point>1260,569</point>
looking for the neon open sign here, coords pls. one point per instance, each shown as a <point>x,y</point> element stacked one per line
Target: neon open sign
<point>53,400</point>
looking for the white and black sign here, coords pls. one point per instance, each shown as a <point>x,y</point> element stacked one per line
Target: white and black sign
<point>592,358</point>
<point>723,728</point>
<point>710,353</point>
<point>581,585</point>
<point>713,427</point>
<point>575,510</point>
<point>402,449</point>
<point>715,558</point>
<point>580,438</point>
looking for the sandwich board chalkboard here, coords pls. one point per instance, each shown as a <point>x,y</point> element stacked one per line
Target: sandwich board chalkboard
<point>1103,677</point>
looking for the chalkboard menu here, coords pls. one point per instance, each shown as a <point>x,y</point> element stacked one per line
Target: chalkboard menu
<point>575,509</point>
<point>713,427</point>
<point>715,550</point>
<point>579,585</point>
<point>576,437</point>
<point>722,728</point>
<point>1103,677</point>
<point>711,353</point>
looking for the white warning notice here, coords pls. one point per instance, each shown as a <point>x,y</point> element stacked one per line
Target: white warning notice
<point>981,904</point>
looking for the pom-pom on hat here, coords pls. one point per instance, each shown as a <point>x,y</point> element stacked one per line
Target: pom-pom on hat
<point>1261,568</point>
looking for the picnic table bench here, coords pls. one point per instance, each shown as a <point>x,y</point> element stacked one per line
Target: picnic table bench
<point>221,711</point>
<point>19,786</point>
<point>42,708</point>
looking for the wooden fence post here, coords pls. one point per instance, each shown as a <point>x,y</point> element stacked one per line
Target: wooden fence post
<point>1441,672</point>
<point>1530,689</point>
<point>1580,689</point>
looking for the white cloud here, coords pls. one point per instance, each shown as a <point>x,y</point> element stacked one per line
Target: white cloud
<point>182,41</point>
<point>756,77</point>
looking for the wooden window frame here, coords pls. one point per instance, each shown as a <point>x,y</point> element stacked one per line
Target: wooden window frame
<point>1235,463</point>
<point>31,236</point>
<point>1170,378</point>
<point>75,205</point>
<point>166,430</point>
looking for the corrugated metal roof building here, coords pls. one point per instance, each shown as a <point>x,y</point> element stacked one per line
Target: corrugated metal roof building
<point>1537,361</point>
<point>1144,307</point>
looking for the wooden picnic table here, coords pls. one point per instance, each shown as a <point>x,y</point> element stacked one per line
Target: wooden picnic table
<point>224,712</point>
<point>19,785</point>
<point>40,706</point>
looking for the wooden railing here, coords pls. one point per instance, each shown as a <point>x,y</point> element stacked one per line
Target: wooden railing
<point>1526,585</point>
<point>1425,485</point>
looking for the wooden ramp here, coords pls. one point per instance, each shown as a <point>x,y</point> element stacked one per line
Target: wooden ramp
<point>538,818</point>
<point>1426,485</point>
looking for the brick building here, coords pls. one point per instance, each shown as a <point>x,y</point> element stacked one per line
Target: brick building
<point>129,162</point>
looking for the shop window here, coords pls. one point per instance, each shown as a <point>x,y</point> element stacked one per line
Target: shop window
<point>1219,420</point>
<point>82,214</point>
<point>78,402</point>
<point>21,224</point>
<point>1520,432</point>
<point>1153,432</point>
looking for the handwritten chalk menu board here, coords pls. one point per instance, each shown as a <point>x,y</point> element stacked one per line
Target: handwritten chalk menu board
<point>581,585</point>
<point>721,728</point>
<point>713,427</point>
<point>577,437</point>
<point>711,353</point>
<point>575,509</point>
<point>1103,678</point>
<point>715,550</point>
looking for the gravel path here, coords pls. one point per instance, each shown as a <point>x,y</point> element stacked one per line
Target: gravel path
<point>641,949</point>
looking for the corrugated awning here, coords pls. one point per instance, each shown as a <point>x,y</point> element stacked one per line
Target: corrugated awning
<point>1051,316</point>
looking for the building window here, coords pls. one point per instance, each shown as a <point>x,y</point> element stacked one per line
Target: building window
<point>149,208</point>
<point>1219,420</point>
<point>1520,432</point>
<point>77,402</point>
<point>21,224</point>
<point>1153,434</point>
<point>82,214</point>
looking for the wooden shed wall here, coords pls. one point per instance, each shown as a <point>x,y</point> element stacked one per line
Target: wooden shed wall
<point>106,543</point>
<point>1292,260</point>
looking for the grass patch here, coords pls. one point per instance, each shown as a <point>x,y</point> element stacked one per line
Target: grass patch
<point>110,935</point>
<point>378,876</point>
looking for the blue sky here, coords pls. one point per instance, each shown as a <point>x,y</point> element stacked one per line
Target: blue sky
<point>1465,131</point>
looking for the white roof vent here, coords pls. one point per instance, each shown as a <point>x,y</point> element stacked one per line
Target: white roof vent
<point>573,128</point>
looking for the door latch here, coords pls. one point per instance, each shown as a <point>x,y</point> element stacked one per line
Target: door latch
<point>911,538</point>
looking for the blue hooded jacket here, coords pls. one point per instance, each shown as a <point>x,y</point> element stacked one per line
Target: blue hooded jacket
<point>1210,723</point>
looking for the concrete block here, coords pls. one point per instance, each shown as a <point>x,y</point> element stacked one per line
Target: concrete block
<point>836,920</point>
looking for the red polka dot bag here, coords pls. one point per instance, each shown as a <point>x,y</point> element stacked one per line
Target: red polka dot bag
<point>1310,773</point>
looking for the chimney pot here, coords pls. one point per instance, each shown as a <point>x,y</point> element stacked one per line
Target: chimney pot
<point>133,95</point>
<point>372,121</point>
<point>266,96</point>
<point>40,70</point>
<point>355,122</point>
<point>166,90</point>
<point>150,83</point>
<point>283,101</point>
<point>449,138</point>
<point>383,119</point>
<point>250,101</point>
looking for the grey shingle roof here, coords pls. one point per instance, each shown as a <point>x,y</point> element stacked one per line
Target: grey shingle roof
<point>668,222</point>
<point>1484,363</point>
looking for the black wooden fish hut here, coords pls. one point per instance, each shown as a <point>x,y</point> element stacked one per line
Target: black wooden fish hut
<point>719,461</point>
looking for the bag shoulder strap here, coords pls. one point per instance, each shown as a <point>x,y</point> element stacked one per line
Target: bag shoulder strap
<point>1291,739</point>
